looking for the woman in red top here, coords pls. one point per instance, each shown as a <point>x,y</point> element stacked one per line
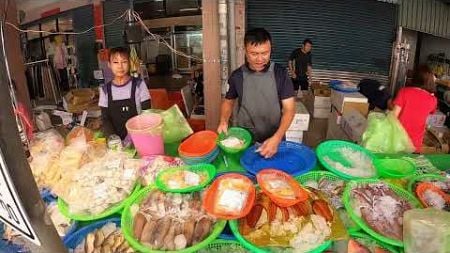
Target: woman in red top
<point>413,105</point>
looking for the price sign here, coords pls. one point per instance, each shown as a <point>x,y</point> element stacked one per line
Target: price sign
<point>11,209</point>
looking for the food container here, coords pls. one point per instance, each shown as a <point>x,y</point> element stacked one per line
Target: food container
<point>394,168</point>
<point>239,133</point>
<point>194,178</point>
<point>281,188</point>
<point>128,223</point>
<point>230,196</point>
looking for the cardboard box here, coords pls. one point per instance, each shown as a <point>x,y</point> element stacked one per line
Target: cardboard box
<point>354,124</point>
<point>301,118</point>
<point>322,113</point>
<point>335,132</point>
<point>346,101</point>
<point>436,119</point>
<point>321,90</point>
<point>322,102</point>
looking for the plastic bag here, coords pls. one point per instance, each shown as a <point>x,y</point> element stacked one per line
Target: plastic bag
<point>385,134</point>
<point>79,134</point>
<point>176,127</point>
<point>426,230</point>
<point>45,149</point>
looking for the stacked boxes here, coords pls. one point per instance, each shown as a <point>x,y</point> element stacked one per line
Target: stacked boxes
<point>299,124</point>
<point>322,102</point>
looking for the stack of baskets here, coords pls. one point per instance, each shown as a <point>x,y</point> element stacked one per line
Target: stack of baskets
<point>200,147</point>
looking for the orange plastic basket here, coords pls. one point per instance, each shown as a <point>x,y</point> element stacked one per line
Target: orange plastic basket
<point>213,196</point>
<point>422,187</point>
<point>199,144</point>
<point>267,179</point>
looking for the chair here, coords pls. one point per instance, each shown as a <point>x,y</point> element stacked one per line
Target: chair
<point>160,99</point>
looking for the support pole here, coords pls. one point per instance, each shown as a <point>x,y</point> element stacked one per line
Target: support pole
<point>211,63</point>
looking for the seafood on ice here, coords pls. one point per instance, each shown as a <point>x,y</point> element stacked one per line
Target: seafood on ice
<point>171,221</point>
<point>381,208</point>
<point>357,164</point>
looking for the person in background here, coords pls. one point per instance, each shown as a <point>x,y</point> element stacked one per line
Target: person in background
<point>300,66</point>
<point>122,98</point>
<point>413,104</point>
<point>377,94</point>
<point>60,62</point>
<point>264,93</point>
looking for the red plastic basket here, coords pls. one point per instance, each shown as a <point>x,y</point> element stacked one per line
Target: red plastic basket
<point>198,144</point>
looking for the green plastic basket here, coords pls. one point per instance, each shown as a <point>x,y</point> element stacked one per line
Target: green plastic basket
<point>127,227</point>
<point>368,237</point>
<point>330,148</point>
<point>423,177</point>
<point>394,168</point>
<point>224,246</point>
<point>239,133</point>
<point>360,222</point>
<point>234,226</point>
<point>208,169</point>
<point>117,208</point>
<point>316,176</point>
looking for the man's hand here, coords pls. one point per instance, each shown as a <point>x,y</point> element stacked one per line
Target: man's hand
<point>270,147</point>
<point>223,128</point>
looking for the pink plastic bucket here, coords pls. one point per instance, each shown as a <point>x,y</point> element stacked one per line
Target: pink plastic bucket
<point>146,132</point>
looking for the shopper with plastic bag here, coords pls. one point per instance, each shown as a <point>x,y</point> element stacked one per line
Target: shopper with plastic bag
<point>385,134</point>
<point>412,105</point>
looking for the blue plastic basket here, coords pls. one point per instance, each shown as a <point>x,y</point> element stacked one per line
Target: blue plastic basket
<point>47,196</point>
<point>73,240</point>
<point>292,158</point>
<point>72,228</point>
<point>337,85</point>
<point>8,247</point>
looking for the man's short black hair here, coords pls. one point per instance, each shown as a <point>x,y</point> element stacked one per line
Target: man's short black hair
<point>122,51</point>
<point>257,36</point>
<point>307,41</point>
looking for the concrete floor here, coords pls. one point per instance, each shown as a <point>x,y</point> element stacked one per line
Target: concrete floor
<point>317,131</point>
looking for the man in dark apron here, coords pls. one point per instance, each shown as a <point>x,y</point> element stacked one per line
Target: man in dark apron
<point>265,95</point>
<point>122,98</point>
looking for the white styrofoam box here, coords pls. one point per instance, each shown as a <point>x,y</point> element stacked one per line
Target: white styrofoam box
<point>322,113</point>
<point>297,140</point>
<point>354,124</point>
<point>322,102</point>
<point>294,134</point>
<point>338,99</point>
<point>301,118</point>
<point>436,119</point>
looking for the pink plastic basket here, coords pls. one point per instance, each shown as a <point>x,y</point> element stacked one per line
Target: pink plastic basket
<point>146,131</point>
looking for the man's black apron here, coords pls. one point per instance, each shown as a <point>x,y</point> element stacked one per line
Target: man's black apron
<point>120,111</point>
<point>260,110</point>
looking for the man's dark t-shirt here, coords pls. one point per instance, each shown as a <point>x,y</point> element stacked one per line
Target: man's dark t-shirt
<point>302,61</point>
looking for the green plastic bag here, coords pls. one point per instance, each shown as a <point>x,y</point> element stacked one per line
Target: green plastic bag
<point>176,127</point>
<point>385,134</point>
